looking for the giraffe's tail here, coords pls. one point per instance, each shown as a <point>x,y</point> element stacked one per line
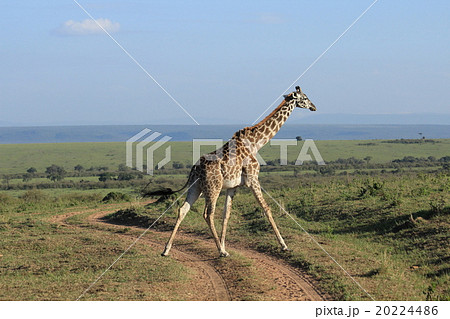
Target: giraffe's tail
<point>164,192</point>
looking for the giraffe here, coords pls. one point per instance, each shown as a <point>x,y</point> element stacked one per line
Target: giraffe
<point>233,165</point>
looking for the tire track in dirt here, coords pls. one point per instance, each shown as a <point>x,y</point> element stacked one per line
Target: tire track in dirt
<point>216,282</point>
<point>208,282</point>
<point>290,283</point>
<point>287,277</point>
<point>294,283</point>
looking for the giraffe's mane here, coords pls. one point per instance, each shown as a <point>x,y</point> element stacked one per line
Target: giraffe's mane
<point>268,116</point>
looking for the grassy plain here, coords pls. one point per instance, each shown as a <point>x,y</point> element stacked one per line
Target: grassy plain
<point>43,260</point>
<point>390,233</point>
<point>17,158</point>
<point>389,230</point>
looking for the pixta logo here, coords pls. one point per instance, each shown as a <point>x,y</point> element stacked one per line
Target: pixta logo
<point>149,141</point>
<point>141,141</point>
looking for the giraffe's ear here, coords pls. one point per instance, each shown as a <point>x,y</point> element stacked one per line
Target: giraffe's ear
<point>287,97</point>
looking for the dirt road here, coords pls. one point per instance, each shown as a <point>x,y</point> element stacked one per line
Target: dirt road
<point>214,278</point>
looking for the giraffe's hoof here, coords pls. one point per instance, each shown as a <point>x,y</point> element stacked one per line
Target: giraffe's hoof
<point>165,254</point>
<point>224,254</point>
<point>285,248</point>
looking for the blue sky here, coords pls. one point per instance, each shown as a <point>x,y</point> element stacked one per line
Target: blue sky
<point>224,61</point>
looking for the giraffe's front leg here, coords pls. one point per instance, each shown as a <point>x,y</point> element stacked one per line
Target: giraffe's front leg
<point>209,217</point>
<point>256,188</point>
<point>251,171</point>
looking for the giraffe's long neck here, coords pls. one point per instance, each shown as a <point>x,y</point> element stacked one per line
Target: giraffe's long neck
<point>269,126</point>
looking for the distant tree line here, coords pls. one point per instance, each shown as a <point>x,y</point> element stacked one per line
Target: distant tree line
<point>411,141</point>
<point>123,174</point>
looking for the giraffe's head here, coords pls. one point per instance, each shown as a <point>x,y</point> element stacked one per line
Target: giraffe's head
<point>299,99</point>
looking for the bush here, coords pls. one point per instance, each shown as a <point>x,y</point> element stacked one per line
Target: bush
<point>115,197</point>
<point>128,216</point>
<point>437,203</point>
<point>103,177</point>
<point>129,176</point>
<point>34,196</point>
<point>177,165</point>
<point>326,170</point>
<point>79,198</point>
<point>6,199</point>
<point>371,189</point>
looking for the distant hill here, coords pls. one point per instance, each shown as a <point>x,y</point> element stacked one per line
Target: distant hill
<point>400,119</point>
<point>118,133</point>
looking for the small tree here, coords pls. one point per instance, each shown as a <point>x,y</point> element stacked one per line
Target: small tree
<point>78,168</point>
<point>27,177</point>
<point>127,176</point>
<point>298,138</point>
<point>177,165</point>
<point>326,170</point>
<point>6,179</point>
<point>55,173</point>
<point>367,159</point>
<point>103,177</point>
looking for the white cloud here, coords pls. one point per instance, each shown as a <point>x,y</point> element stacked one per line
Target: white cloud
<point>87,27</point>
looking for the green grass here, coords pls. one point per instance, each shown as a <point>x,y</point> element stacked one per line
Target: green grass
<point>390,231</point>
<point>41,260</point>
<point>390,234</point>
<point>57,192</point>
<point>381,152</point>
<point>17,158</point>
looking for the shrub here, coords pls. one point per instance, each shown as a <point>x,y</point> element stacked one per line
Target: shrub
<point>326,170</point>
<point>129,176</point>
<point>6,199</point>
<point>371,189</point>
<point>78,198</point>
<point>34,196</point>
<point>177,165</point>
<point>27,177</point>
<point>103,177</point>
<point>128,216</point>
<point>437,203</point>
<point>116,196</point>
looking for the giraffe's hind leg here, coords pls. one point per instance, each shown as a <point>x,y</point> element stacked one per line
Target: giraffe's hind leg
<point>209,218</point>
<point>193,194</point>
<point>226,216</point>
